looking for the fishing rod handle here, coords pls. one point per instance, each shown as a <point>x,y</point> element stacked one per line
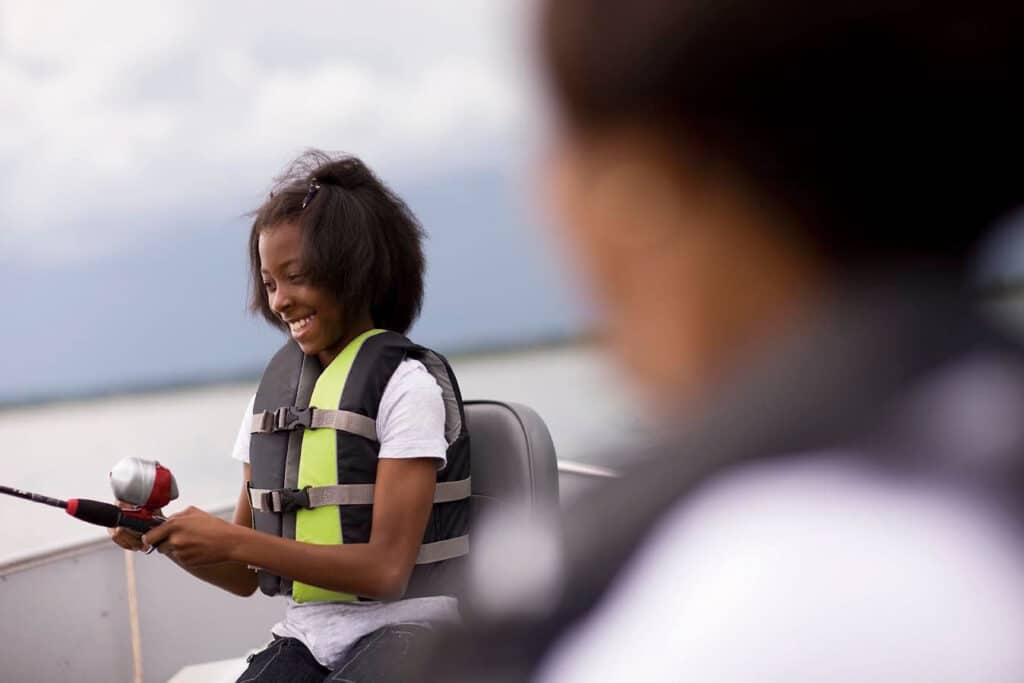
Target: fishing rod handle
<point>141,522</point>
<point>105,514</point>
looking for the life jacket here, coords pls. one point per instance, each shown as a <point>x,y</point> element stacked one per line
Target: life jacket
<point>313,455</point>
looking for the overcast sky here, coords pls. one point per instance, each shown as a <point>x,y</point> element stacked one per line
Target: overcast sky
<point>133,136</point>
<point>112,112</point>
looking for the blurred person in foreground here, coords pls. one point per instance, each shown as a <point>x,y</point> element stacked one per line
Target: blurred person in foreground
<point>775,205</point>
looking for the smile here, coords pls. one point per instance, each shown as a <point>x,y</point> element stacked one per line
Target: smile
<point>297,326</point>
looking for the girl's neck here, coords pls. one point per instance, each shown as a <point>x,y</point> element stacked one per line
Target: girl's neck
<point>360,325</point>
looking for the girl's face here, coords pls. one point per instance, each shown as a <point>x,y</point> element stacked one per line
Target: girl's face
<point>313,316</point>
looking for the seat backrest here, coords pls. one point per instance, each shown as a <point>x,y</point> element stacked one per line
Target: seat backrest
<point>513,456</point>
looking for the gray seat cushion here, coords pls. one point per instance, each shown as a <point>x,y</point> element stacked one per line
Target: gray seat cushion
<point>513,456</point>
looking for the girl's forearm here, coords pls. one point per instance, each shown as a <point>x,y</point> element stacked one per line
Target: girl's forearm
<point>234,577</point>
<point>366,569</point>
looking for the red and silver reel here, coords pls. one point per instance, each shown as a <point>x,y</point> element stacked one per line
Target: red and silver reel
<point>145,483</point>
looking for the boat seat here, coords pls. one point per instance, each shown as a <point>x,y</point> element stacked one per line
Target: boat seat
<point>513,457</point>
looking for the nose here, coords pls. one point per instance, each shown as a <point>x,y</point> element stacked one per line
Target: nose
<point>280,299</point>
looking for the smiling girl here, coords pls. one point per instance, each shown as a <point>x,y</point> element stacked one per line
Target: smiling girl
<point>355,485</point>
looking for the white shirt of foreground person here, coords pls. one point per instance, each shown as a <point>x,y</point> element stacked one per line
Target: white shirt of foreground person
<point>410,424</point>
<point>820,571</point>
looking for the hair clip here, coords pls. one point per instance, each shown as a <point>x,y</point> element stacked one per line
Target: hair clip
<point>314,187</point>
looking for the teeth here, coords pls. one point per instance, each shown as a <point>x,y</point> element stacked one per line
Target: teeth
<point>299,325</point>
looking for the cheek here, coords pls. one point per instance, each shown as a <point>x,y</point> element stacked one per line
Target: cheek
<point>609,271</point>
<point>327,308</point>
<point>585,232</point>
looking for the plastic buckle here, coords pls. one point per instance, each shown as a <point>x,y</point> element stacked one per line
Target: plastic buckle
<point>290,500</point>
<point>287,418</point>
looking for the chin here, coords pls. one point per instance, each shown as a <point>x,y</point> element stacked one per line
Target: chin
<point>308,348</point>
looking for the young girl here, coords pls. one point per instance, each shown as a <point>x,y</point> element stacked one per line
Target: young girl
<point>355,485</point>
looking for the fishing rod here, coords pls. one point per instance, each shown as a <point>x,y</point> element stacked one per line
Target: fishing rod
<point>34,497</point>
<point>146,484</point>
<point>94,511</point>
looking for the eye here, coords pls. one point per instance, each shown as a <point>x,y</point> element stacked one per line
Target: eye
<point>296,278</point>
<point>268,285</point>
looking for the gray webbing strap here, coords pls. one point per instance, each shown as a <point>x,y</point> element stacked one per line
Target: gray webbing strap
<point>341,420</point>
<point>345,421</point>
<point>355,494</point>
<point>265,500</point>
<point>451,491</point>
<point>341,494</point>
<point>262,423</point>
<point>362,494</point>
<point>256,498</point>
<point>443,550</point>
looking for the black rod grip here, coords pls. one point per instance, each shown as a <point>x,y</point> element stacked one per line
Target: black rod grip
<point>139,522</point>
<point>105,514</point>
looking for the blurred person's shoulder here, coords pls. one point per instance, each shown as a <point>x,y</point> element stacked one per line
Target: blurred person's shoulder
<point>865,560</point>
<point>819,564</point>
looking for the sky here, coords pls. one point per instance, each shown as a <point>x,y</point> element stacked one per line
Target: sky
<point>134,137</point>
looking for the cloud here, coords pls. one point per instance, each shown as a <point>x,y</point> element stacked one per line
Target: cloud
<point>118,117</point>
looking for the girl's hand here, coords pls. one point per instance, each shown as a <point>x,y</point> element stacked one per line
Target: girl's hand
<point>194,538</point>
<point>127,538</point>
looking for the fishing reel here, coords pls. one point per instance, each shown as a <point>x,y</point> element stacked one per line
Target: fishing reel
<point>144,483</point>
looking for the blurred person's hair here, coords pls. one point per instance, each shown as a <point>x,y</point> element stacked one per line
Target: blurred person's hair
<point>360,240</point>
<point>883,128</point>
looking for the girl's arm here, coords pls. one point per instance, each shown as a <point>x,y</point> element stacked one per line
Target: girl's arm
<point>214,550</point>
<point>235,577</point>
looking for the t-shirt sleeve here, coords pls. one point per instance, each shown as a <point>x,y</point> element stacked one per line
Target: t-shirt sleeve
<point>410,419</point>
<point>240,451</point>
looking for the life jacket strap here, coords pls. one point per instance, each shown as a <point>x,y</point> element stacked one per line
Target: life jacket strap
<point>439,551</point>
<point>277,500</point>
<point>289,500</point>
<point>287,418</point>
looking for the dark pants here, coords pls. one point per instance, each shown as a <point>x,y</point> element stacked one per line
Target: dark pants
<point>379,657</point>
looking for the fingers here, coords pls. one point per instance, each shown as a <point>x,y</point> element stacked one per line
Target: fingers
<point>127,539</point>
<point>190,511</point>
<point>158,534</point>
<point>166,550</point>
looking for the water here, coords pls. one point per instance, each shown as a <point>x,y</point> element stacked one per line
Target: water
<point>66,450</point>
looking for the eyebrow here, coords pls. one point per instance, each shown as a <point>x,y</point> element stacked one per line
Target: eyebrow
<point>284,266</point>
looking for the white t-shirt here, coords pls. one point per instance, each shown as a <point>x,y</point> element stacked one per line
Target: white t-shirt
<point>828,569</point>
<point>823,571</point>
<point>410,424</point>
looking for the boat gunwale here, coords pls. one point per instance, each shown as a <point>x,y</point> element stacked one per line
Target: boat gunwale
<point>40,557</point>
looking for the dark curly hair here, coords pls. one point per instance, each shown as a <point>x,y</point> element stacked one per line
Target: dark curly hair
<point>360,241</point>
